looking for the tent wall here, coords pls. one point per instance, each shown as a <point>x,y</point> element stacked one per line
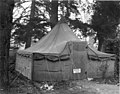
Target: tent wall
<point>52,67</point>
<point>44,70</point>
<point>62,69</point>
<point>77,46</point>
<point>79,60</point>
<point>24,65</point>
<point>95,68</point>
<point>71,64</point>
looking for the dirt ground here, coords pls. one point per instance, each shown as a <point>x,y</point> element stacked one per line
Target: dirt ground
<point>73,87</point>
<point>101,88</point>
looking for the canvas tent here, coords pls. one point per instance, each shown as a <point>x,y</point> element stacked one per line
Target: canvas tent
<point>60,55</point>
<point>100,64</point>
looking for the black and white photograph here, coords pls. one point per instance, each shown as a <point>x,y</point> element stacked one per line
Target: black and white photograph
<point>59,46</point>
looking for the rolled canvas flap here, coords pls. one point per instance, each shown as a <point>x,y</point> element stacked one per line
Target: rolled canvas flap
<point>52,58</point>
<point>37,56</point>
<point>64,57</point>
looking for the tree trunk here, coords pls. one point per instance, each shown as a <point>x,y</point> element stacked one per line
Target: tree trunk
<point>28,40</point>
<point>103,48</point>
<point>6,11</point>
<point>117,61</point>
<point>29,26</point>
<point>100,42</point>
<point>54,13</point>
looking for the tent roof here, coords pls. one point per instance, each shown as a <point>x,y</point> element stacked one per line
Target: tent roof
<point>95,53</point>
<point>54,41</point>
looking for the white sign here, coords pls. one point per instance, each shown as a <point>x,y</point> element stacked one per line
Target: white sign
<point>77,70</point>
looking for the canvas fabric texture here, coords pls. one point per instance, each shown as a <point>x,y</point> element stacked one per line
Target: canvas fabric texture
<point>94,53</point>
<point>56,55</point>
<point>58,41</point>
<point>55,41</point>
